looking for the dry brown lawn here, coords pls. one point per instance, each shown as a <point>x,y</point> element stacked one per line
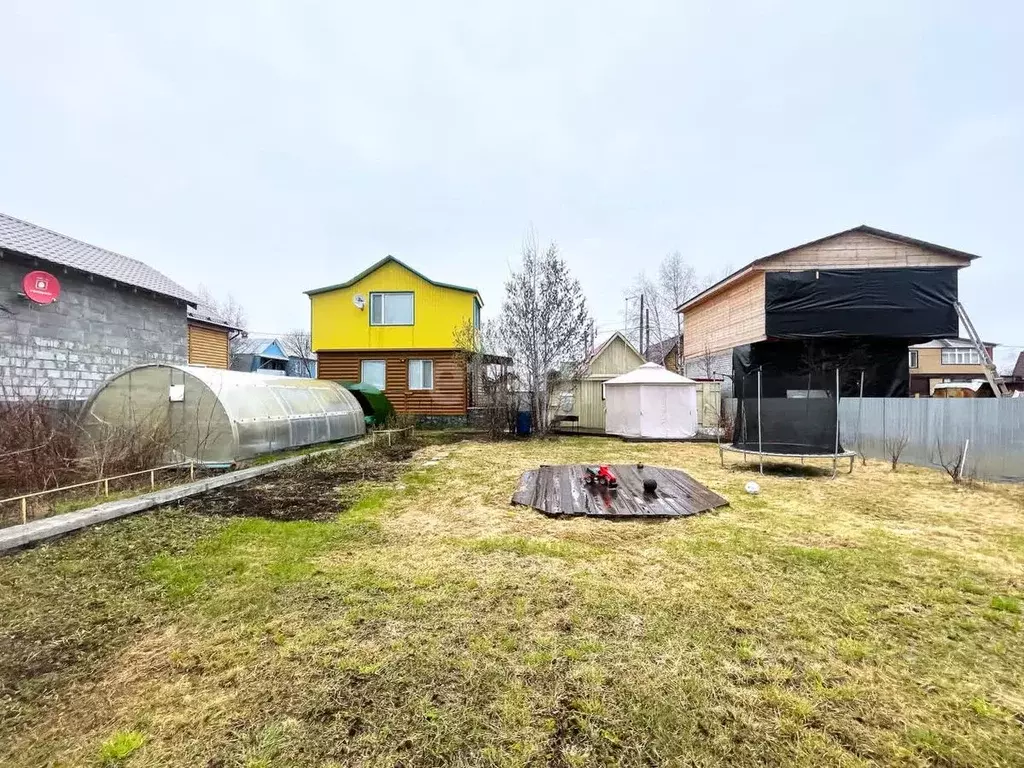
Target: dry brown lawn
<point>870,620</point>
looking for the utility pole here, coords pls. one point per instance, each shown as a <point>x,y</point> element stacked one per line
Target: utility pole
<point>647,343</point>
<point>640,339</point>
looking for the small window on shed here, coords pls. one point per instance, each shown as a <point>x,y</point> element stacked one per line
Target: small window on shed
<point>913,358</point>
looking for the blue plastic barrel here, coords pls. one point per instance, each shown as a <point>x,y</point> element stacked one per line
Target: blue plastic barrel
<point>524,423</point>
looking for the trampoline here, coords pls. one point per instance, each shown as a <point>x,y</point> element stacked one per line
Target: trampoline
<point>804,424</point>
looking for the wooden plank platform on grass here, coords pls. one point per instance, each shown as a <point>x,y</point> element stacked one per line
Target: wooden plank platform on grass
<point>560,490</point>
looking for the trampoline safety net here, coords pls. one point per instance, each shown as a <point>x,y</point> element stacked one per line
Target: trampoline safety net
<point>803,422</point>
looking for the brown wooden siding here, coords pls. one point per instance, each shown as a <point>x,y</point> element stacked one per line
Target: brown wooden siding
<point>207,346</point>
<point>735,316</point>
<point>860,250</point>
<point>447,398</point>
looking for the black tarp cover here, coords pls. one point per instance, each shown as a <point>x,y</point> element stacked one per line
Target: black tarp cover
<point>906,303</point>
<point>789,365</point>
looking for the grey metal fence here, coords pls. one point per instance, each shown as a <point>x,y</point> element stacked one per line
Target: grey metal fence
<point>936,429</point>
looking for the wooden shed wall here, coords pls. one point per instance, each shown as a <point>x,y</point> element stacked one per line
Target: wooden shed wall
<point>616,358</point>
<point>207,346</point>
<point>449,397</point>
<point>734,316</point>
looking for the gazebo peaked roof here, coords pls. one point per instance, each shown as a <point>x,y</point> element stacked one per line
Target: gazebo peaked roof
<point>651,373</point>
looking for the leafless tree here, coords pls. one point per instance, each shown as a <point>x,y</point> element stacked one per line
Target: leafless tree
<point>229,308</point>
<point>544,325</point>
<point>894,447</point>
<point>490,377</point>
<point>674,283</point>
<point>298,343</point>
<point>952,460</point>
<point>707,362</point>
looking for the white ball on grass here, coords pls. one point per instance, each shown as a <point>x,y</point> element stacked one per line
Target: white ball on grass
<point>752,488</point>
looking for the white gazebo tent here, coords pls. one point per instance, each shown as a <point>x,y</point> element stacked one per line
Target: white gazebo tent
<point>651,402</point>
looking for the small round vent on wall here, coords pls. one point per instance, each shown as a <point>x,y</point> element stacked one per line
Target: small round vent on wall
<point>359,300</point>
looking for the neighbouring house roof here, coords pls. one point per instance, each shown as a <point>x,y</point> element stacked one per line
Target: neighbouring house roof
<point>657,352</point>
<point>387,260</point>
<point>863,228</point>
<point>950,344</point>
<point>204,313</point>
<point>261,346</point>
<point>266,346</point>
<point>601,344</point>
<point>1018,369</point>
<point>41,243</point>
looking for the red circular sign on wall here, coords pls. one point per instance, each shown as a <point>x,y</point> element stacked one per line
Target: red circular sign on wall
<point>41,287</point>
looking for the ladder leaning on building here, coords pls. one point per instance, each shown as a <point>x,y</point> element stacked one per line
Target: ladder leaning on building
<point>995,381</point>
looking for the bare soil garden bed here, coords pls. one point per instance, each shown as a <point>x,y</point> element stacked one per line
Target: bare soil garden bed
<point>316,489</point>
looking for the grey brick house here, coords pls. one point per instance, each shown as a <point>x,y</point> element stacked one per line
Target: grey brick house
<point>112,312</point>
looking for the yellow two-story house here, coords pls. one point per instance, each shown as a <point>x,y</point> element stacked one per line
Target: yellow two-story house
<point>396,329</point>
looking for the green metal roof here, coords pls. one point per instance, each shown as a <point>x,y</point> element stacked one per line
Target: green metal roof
<point>399,262</point>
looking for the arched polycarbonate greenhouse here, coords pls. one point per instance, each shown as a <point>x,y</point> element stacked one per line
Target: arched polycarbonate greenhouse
<point>214,416</point>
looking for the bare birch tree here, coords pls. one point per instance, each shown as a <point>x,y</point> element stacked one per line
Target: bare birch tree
<point>229,308</point>
<point>298,343</point>
<point>675,282</point>
<point>544,324</point>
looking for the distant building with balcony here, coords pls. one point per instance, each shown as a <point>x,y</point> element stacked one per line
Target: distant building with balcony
<point>943,361</point>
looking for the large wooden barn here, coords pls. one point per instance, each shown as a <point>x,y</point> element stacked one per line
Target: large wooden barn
<point>866,292</point>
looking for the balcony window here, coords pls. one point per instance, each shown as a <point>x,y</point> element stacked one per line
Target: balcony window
<point>960,356</point>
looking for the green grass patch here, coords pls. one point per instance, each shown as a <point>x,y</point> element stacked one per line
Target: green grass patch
<point>1006,603</point>
<point>870,620</point>
<point>119,747</point>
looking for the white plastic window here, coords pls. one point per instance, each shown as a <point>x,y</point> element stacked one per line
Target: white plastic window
<point>374,373</point>
<point>391,309</point>
<point>960,356</point>
<point>421,374</point>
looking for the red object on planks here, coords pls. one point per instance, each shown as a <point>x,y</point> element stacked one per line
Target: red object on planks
<point>600,475</point>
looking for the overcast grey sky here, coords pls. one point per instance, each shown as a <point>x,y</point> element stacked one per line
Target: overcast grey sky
<point>269,148</point>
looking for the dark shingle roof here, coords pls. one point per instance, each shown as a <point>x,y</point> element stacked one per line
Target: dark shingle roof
<point>656,352</point>
<point>204,313</point>
<point>42,243</point>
